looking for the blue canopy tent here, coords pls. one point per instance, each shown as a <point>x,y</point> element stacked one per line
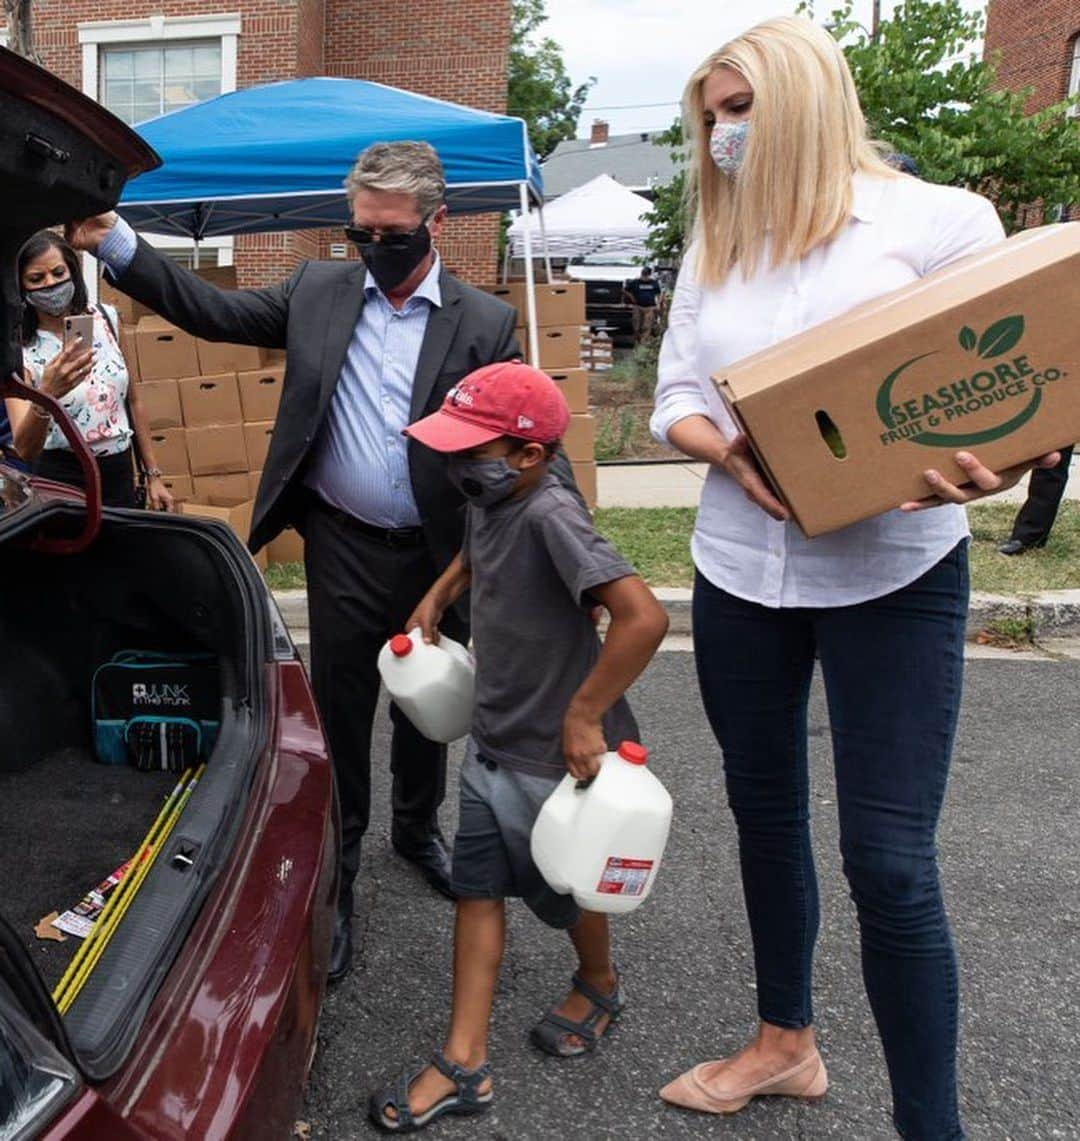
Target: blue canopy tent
<point>274,157</point>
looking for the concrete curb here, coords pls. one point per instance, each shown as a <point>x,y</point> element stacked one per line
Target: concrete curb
<point>1053,613</point>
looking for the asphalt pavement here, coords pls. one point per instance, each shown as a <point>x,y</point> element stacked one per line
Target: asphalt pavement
<point>1011,868</point>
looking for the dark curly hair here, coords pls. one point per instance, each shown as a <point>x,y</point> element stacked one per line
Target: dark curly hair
<point>40,243</point>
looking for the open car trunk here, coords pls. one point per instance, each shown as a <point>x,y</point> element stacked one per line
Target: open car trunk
<point>154,585</point>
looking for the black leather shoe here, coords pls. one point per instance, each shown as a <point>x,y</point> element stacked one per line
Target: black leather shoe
<point>341,953</point>
<point>1017,547</point>
<point>432,858</point>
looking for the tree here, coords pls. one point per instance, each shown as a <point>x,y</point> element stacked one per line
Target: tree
<point>667,217</point>
<point>540,90</point>
<point>20,28</point>
<point>926,94</point>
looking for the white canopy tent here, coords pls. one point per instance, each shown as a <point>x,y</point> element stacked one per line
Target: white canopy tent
<point>600,219</point>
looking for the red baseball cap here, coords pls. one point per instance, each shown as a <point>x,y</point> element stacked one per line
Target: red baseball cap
<point>505,399</point>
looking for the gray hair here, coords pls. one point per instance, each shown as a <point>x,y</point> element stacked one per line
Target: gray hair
<point>400,168</point>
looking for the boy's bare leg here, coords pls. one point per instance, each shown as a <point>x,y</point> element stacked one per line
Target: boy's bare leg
<point>479,936</point>
<point>592,941</point>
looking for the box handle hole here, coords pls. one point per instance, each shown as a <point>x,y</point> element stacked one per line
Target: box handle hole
<point>830,433</point>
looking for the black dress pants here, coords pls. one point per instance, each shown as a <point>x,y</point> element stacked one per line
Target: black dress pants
<point>361,590</point>
<point>1045,489</point>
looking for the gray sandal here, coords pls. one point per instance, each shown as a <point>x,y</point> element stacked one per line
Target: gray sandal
<point>468,1101</point>
<point>549,1033</point>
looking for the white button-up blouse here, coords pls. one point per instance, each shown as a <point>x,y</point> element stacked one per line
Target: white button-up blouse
<point>901,229</point>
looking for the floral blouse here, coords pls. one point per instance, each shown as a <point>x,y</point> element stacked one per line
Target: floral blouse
<point>97,405</point>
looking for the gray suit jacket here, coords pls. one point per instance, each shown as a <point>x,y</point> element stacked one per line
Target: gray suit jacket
<point>312,316</point>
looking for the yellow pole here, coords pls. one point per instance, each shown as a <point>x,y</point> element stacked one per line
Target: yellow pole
<point>77,974</point>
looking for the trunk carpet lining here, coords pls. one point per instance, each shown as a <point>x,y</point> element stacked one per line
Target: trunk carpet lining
<point>65,824</point>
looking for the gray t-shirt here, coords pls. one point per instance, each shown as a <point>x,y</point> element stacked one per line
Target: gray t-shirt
<point>533,561</point>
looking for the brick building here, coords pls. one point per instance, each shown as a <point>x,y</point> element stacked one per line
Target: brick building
<point>143,57</point>
<point>1037,44</point>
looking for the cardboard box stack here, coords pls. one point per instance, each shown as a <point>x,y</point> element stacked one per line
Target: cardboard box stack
<point>211,409</point>
<point>560,316</point>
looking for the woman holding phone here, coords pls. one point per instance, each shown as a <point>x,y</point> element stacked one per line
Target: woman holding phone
<point>71,351</point>
<point>797,219</point>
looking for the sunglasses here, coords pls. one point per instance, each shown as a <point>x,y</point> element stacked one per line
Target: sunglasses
<point>391,240</point>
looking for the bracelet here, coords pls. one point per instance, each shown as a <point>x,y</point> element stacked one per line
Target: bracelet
<point>40,413</point>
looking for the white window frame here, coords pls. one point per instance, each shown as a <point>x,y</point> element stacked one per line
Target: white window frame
<point>152,30</point>
<point>1074,77</point>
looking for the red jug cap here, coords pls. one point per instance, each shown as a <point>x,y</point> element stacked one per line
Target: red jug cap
<point>633,752</point>
<point>400,645</point>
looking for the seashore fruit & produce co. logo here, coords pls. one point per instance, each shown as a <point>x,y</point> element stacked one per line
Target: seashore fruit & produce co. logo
<point>1007,382</point>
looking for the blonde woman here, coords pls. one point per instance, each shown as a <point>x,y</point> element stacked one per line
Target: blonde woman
<point>796,219</point>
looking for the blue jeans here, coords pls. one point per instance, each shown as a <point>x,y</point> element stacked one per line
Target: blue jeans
<point>893,670</point>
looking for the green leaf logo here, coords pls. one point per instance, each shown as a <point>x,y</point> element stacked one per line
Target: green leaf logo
<point>967,338</point>
<point>1001,336</point>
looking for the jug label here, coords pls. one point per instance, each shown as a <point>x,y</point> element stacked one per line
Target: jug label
<point>625,877</point>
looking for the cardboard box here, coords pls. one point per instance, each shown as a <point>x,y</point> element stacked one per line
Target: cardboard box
<point>211,488</point>
<point>288,547</point>
<point>216,450</point>
<point>585,476</point>
<point>223,276</point>
<point>130,350</point>
<point>236,514</point>
<point>257,440</point>
<point>574,384</point>
<point>982,355</point>
<point>579,439</point>
<point>160,402</point>
<point>127,308</point>
<point>209,400</point>
<point>557,302</point>
<point>217,356</point>
<point>170,450</point>
<point>180,486</point>
<point>165,352</point>
<point>260,392</point>
<point>254,479</point>
<point>560,347</point>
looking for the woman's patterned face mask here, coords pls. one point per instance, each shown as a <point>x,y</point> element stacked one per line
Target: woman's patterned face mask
<point>727,145</point>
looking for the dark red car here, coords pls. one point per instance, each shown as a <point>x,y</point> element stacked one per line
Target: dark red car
<point>198,1020</point>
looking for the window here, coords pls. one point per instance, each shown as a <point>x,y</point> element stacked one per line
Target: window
<point>139,83</point>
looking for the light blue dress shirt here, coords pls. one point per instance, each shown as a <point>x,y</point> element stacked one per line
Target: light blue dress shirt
<point>360,460</point>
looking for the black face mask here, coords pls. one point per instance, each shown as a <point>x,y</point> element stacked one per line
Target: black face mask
<point>391,262</point>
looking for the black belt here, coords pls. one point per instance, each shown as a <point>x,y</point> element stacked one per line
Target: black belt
<point>390,537</point>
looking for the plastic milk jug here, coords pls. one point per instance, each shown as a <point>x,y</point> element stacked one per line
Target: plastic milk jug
<point>431,684</point>
<point>603,843</point>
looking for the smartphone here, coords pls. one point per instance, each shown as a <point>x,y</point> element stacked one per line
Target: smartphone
<point>81,326</point>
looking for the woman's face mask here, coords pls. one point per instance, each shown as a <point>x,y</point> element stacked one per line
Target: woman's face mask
<point>52,299</point>
<point>484,482</point>
<point>727,145</point>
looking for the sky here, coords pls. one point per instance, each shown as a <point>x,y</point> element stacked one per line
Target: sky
<point>641,51</point>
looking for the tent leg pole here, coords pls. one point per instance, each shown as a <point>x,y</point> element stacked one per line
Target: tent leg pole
<point>530,282</point>
<point>506,261</point>
<point>195,255</point>
<point>544,243</point>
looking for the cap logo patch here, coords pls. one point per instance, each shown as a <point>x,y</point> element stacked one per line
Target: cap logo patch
<point>461,396</point>
<point>525,422</point>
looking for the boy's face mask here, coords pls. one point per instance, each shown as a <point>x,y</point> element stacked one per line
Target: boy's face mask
<point>727,145</point>
<point>484,482</point>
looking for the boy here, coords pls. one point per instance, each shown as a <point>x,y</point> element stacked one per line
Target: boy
<point>548,698</point>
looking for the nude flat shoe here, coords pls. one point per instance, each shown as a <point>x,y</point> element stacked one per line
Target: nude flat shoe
<point>807,1080</point>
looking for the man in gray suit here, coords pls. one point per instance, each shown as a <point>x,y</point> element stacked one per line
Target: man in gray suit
<point>371,348</point>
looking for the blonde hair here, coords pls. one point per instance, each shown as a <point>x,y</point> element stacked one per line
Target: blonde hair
<point>807,138</point>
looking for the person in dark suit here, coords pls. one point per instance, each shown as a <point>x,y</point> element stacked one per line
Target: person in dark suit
<point>370,348</point>
<point>1033,522</point>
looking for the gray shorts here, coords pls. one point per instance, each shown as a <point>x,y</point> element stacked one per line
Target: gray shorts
<point>492,857</point>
